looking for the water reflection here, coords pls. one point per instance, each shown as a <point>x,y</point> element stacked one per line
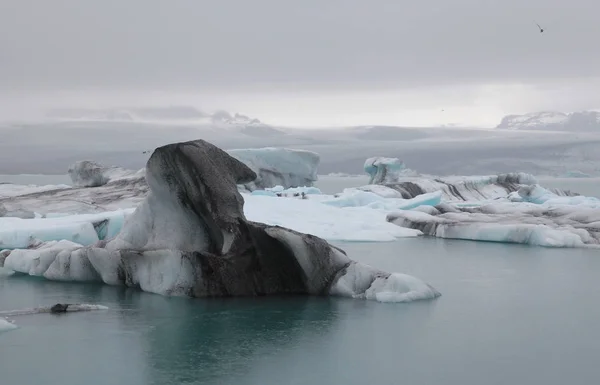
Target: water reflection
<point>217,340</point>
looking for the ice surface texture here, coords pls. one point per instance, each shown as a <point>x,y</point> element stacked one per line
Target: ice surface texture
<point>392,173</point>
<point>525,223</point>
<point>84,229</point>
<point>385,170</point>
<point>279,166</point>
<point>87,173</point>
<point>98,188</point>
<point>190,237</point>
<point>5,325</point>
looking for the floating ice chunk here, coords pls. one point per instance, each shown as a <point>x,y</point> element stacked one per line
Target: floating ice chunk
<point>87,173</point>
<point>566,226</point>
<point>119,194</point>
<point>325,221</point>
<point>279,191</point>
<point>457,188</point>
<point>84,229</point>
<point>6,325</point>
<point>363,281</point>
<point>539,195</point>
<point>37,260</point>
<point>400,288</point>
<point>308,190</point>
<point>267,193</point>
<point>279,166</point>
<point>190,236</point>
<point>386,170</point>
<point>358,198</point>
<point>382,191</point>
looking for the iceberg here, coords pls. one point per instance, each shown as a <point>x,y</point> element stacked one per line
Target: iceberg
<point>115,195</point>
<point>85,229</point>
<point>190,236</point>
<point>349,224</point>
<point>576,174</point>
<point>465,188</point>
<point>524,223</point>
<point>539,195</point>
<point>359,198</point>
<point>6,325</point>
<point>385,170</point>
<point>393,174</point>
<point>97,188</point>
<point>87,173</point>
<point>279,166</point>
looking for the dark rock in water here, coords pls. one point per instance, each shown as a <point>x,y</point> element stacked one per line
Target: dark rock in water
<point>59,308</point>
<point>190,237</point>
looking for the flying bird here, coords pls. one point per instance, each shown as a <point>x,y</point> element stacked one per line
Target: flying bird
<point>541,29</point>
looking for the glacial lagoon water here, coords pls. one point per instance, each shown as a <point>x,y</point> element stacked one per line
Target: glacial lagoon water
<point>508,314</point>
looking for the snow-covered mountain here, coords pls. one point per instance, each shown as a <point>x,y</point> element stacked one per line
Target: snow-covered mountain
<point>552,120</point>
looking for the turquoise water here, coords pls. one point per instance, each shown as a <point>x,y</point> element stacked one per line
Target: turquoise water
<point>508,315</point>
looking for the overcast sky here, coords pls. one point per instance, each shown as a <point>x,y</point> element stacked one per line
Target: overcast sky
<point>293,61</point>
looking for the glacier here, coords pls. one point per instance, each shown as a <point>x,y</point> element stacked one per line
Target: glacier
<point>190,236</point>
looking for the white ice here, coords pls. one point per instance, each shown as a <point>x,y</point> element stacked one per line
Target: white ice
<point>539,195</point>
<point>21,233</point>
<point>87,173</point>
<point>13,190</point>
<point>279,166</point>
<point>385,170</point>
<point>358,282</point>
<point>6,325</point>
<point>359,198</point>
<point>525,223</point>
<point>325,221</point>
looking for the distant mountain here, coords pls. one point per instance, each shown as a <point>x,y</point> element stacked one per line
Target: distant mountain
<point>219,120</point>
<point>553,121</point>
<point>129,114</point>
<point>247,125</point>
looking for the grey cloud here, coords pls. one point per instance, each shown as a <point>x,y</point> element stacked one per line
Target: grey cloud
<point>323,43</point>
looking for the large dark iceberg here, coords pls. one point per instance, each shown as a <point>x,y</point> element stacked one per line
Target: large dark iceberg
<point>190,237</point>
